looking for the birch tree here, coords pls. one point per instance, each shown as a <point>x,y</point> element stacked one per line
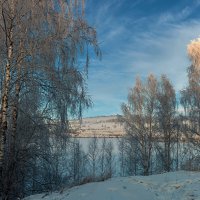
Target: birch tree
<point>41,43</point>
<point>93,156</point>
<point>190,98</point>
<point>166,113</point>
<point>139,119</point>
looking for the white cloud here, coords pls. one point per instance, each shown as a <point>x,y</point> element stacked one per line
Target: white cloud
<point>139,47</point>
<point>169,17</point>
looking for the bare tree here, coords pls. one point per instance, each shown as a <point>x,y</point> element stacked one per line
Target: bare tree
<point>93,155</point>
<point>151,90</point>
<point>103,157</point>
<point>109,160</point>
<point>139,119</point>
<point>78,162</point>
<point>166,113</point>
<point>41,44</point>
<point>190,98</point>
<point>122,156</point>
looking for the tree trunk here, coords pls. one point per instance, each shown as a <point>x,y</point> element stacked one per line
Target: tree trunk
<point>3,119</point>
<point>15,112</point>
<point>4,159</point>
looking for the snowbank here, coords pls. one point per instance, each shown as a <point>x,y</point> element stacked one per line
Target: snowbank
<point>169,186</point>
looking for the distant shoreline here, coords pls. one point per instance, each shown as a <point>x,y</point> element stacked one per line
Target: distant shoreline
<point>97,136</point>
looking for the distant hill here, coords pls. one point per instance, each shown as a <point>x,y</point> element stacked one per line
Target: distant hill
<point>100,126</point>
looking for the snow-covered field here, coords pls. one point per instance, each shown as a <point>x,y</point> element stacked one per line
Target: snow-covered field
<point>168,186</point>
<point>107,126</point>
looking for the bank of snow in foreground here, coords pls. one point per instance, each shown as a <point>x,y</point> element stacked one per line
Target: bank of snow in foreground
<point>168,186</point>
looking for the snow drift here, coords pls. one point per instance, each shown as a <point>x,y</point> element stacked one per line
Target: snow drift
<point>168,186</point>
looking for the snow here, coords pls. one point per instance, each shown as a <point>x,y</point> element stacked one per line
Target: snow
<point>181,185</point>
<point>105,126</point>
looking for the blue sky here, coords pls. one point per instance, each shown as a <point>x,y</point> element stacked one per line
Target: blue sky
<point>138,37</point>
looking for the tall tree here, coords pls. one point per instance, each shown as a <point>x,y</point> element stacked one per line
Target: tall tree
<point>41,42</point>
<point>93,155</point>
<point>190,96</point>
<point>166,113</point>
<point>151,90</point>
<point>139,119</point>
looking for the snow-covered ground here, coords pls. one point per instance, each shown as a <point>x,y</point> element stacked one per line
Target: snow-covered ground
<point>105,126</point>
<point>168,186</point>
